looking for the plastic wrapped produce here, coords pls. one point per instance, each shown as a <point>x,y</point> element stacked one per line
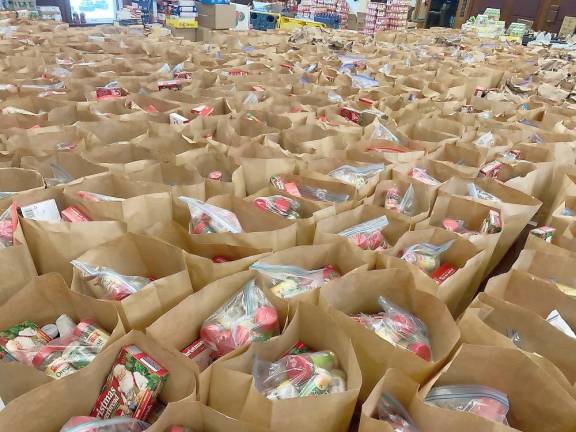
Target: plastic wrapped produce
<point>299,375</point>
<point>399,327</point>
<point>108,283</point>
<point>483,401</point>
<point>368,235</point>
<point>392,411</point>
<point>356,176</point>
<point>207,219</point>
<point>290,281</point>
<point>93,424</point>
<point>246,317</point>
<point>280,205</point>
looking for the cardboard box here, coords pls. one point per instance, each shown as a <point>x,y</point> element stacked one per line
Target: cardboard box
<point>188,34</point>
<point>217,17</point>
<point>568,26</point>
<point>352,22</point>
<point>360,20</point>
<point>204,34</point>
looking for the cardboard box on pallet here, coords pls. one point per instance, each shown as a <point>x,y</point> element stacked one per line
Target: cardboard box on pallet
<point>217,17</point>
<point>187,34</point>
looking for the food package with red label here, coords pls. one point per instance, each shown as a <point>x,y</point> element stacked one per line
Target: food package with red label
<point>299,375</point>
<point>132,386</point>
<point>422,176</point>
<point>208,219</point>
<point>399,327</point>
<point>93,424</point>
<point>200,352</point>
<point>483,401</point>
<point>247,316</point>
<point>279,205</point>
<point>21,342</point>
<point>289,281</point>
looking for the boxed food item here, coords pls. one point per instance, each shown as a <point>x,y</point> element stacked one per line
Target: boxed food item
<point>132,386</point>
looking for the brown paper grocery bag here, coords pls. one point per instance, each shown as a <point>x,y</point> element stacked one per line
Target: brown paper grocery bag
<point>328,229</point>
<point>396,384</point>
<point>320,188</point>
<point>516,209</point>
<point>473,214</point>
<point>13,180</point>
<point>182,180</point>
<point>180,326</point>
<point>143,203</point>
<point>333,412</point>
<point>424,197</point>
<point>15,261</point>
<point>114,156</point>
<point>208,163</point>
<point>561,217</point>
<point>359,292</point>
<point>497,322</point>
<point>555,268</point>
<point>42,301</point>
<point>53,244</point>
<point>459,289</point>
<point>61,167</point>
<point>49,406</point>
<point>260,230</point>
<point>343,257</point>
<point>536,402</point>
<point>206,262</point>
<point>260,163</point>
<point>192,414</point>
<point>462,159</point>
<point>560,245</point>
<point>137,255</point>
<point>322,169</point>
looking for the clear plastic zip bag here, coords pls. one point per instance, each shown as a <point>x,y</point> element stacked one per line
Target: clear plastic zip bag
<point>356,176</point>
<point>93,424</point>
<point>247,316</point>
<point>96,197</point>
<point>299,375</point>
<point>208,219</point>
<point>107,283</point>
<point>59,176</point>
<point>290,281</point>
<point>404,204</point>
<point>309,192</point>
<point>58,357</point>
<point>368,235</point>
<point>426,256</point>
<point>279,205</point>
<point>479,193</point>
<point>8,224</point>
<point>398,327</point>
<point>483,401</point>
<point>392,411</point>
<point>422,176</point>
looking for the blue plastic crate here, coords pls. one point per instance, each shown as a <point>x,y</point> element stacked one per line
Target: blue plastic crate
<point>331,20</point>
<point>214,2</point>
<point>263,21</point>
